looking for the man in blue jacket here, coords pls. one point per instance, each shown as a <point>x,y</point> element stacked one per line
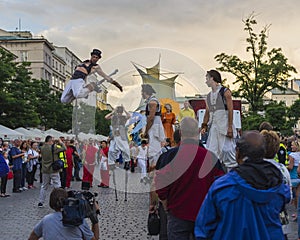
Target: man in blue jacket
<point>246,202</point>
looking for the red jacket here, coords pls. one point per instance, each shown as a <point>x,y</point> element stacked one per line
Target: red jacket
<point>183,184</point>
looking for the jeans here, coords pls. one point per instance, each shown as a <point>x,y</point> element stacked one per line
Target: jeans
<point>23,174</point>
<point>3,184</point>
<point>179,229</point>
<point>17,179</point>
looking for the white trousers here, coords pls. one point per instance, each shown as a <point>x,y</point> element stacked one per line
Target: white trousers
<point>74,89</point>
<point>222,146</point>
<point>142,164</point>
<point>116,147</point>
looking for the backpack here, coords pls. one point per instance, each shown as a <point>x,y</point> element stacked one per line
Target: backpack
<point>222,91</point>
<point>4,169</point>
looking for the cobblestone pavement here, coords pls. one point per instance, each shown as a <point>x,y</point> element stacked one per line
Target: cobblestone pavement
<point>118,219</point>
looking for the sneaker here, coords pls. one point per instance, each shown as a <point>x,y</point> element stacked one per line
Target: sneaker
<point>24,188</point>
<point>40,205</point>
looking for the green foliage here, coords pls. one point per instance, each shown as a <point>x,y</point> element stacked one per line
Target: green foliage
<point>102,125</point>
<point>265,70</point>
<point>27,102</point>
<point>251,121</point>
<point>277,114</point>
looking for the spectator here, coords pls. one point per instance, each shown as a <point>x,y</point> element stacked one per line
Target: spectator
<point>33,155</point>
<point>183,183</point>
<point>294,159</point>
<point>24,147</point>
<point>16,158</point>
<point>272,145</point>
<point>4,178</point>
<point>254,188</point>
<point>186,111</point>
<point>49,152</point>
<point>168,119</point>
<point>142,156</point>
<point>164,159</point>
<point>51,226</point>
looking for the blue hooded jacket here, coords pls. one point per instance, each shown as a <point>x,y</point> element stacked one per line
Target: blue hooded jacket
<point>233,209</point>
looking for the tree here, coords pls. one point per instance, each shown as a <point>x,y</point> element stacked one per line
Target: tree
<point>102,125</point>
<point>265,71</point>
<point>27,102</point>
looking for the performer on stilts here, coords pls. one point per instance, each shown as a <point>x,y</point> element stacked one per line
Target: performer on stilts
<point>118,143</point>
<point>156,135</point>
<point>77,87</point>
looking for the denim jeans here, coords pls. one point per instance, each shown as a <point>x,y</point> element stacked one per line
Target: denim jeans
<point>179,229</point>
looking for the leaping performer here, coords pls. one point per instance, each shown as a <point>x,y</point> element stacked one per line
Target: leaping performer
<point>77,87</point>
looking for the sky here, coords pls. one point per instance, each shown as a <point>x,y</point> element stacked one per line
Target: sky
<point>196,30</point>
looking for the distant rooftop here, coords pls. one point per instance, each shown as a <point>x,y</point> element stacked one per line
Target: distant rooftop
<point>287,91</point>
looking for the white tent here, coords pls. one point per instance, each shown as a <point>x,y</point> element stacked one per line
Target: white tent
<point>38,132</point>
<point>9,134</point>
<point>54,133</point>
<point>29,134</point>
<point>86,136</point>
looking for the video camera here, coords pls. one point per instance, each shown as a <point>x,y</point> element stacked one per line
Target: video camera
<point>79,205</point>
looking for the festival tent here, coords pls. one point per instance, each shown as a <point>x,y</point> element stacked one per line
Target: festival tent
<point>38,132</point>
<point>28,134</point>
<point>54,133</point>
<point>86,136</point>
<point>9,134</point>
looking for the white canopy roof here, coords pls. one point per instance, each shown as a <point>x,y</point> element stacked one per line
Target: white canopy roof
<point>29,134</point>
<point>8,134</point>
<point>54,133</point>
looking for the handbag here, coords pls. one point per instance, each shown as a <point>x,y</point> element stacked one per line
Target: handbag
<point>153,223</point>
<point>10,175</point>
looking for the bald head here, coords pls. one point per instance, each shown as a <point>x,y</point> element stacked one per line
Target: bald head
<point>251,145</point>
<point>189,128</point>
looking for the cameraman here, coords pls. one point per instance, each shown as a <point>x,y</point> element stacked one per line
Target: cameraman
<point>51,226</point>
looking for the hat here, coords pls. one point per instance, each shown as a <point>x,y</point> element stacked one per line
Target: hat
<point>96,52</point>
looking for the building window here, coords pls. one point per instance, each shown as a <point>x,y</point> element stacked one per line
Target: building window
<point>24,56</point>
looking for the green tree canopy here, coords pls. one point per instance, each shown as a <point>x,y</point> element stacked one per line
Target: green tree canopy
<point>264,71</point>
<point>27,102</point>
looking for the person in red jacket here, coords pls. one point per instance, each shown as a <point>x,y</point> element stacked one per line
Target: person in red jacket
<point>183,183</point>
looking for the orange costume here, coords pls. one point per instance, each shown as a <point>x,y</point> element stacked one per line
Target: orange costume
<point>168,119</point>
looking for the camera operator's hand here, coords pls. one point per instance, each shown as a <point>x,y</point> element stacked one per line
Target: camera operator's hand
<point>96,207</point>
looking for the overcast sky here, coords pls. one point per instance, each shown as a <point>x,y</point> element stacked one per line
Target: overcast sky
<point>196,29</point>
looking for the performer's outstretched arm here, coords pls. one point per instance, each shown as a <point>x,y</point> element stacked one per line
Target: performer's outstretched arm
<point>229,103</point>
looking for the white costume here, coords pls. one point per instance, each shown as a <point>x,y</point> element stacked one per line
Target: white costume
<point>156,133</point>
<point>217,142</point>
<point>74,89</point>
<point>119,143</point>
<point>142,160</point>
